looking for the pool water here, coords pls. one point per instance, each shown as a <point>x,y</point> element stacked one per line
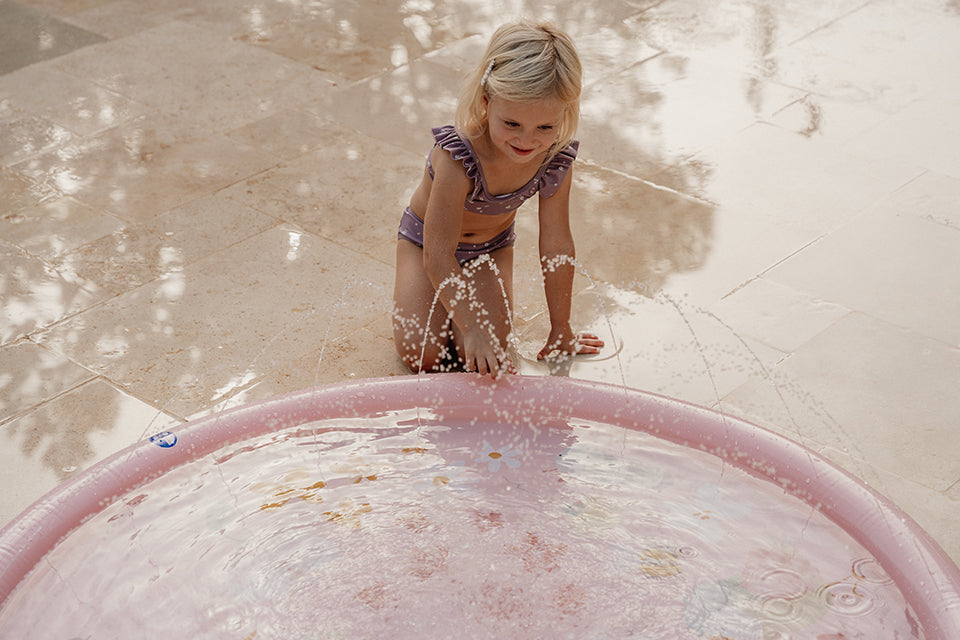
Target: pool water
<point>412,525</point>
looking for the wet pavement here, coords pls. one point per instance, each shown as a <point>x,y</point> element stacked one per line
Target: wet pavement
<point>200,201</point>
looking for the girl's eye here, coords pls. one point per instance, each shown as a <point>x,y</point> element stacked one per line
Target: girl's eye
<point>546,127</point>
<point>511,124</point>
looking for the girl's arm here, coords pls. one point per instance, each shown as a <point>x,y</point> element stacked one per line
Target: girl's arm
<point>441,234</point>
<point>557,252</point>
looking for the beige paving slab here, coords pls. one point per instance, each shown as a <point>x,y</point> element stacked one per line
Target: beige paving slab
<point>120,18</point>
<point>925,134</point>
<point>30,375</point>
<point>351,191</point>
<point>816,116</point>
<point>23,136</point>
<point>932,197</point>
<point>28,36</point>
<point>391,110</point>
<point>880,393</point>
<point>341,358</point>
<point>194,74</point>
<point>751,29</point>
<point>21,192</point>
<point>139,253</point>
<point>289,134</point>
<point>65,8</point>
<point>809,186</point>
<point>653,342</point>
<point>775,314</point>
<point>901,269</point>
<point>34,295</point>
<point>53,228</point>
<point>143,168</point>
<point>352,40</point>
<point>896,55</point>
<point>77,105</point>
<point>197,336</point>
<point>61,438</point>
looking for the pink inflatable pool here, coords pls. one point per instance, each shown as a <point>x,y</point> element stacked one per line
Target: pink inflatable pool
<point>447,505</point>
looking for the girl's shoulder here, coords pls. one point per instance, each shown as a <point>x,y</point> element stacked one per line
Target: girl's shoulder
<point>459,148</point>
<point>556,168</point>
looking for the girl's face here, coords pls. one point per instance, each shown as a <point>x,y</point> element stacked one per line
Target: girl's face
<point>523,131</point>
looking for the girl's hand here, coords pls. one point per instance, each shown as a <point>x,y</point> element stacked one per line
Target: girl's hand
<point>482,354</point>
<point>571,343</point>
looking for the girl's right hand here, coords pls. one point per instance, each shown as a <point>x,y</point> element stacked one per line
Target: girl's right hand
<point>482,354</point>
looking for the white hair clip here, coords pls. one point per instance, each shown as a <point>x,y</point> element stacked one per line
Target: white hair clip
<point>486,74</point>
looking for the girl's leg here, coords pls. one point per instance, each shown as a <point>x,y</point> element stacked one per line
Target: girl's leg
<point>492,283</point>
<point>413,298</point>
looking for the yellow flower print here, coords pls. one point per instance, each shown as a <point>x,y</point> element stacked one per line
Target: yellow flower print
<point>495,457</point>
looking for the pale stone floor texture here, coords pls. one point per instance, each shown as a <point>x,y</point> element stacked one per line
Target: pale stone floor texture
<point>199,202</point>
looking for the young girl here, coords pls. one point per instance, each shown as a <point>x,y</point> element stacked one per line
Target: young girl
<point>516,118</point>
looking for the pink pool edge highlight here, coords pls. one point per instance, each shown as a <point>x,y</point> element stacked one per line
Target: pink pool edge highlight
<point>928,579</point>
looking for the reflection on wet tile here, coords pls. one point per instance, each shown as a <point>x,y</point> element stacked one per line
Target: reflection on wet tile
<point>192,74</point>
<point>53,228</point>
<point>870,265</point>
<point>29,375</point>
<point>59,439</point>
<point>328,192</point>
<point>628,231</point>
<point>878,392</point>
<point>289,134</point>
<point>135,171</point>
<point>391,111</point>
<point>680,105</point>
<point>20,192</point>
<point>28,36</point>
<point>196,337</point>
<point>609,51</point>
<point>32,295</point>
<point>348,41</point>
<point>346,358</point>
<point>74,104</point>
<point>166,244</point>
<point>816,116</point>
<point>24,137</point>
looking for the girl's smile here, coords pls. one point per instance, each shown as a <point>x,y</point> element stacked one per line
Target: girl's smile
<point>523,130</point>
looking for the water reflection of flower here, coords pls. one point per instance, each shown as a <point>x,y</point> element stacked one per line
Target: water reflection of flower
<point>297,483</point>
<point>495,457</point>
<point>449,476</point>
<point>349,513</point>
<point>359,468</point>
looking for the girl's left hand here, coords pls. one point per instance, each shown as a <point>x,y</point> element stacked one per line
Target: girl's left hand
<point>574,344</point>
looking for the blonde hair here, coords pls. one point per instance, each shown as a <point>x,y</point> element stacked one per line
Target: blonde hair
<point>524,62</point>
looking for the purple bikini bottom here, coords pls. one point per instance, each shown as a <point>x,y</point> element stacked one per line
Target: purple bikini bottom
<point>411,228</point>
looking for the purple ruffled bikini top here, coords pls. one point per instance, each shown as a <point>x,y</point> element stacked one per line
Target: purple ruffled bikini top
<point>547,181</point>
